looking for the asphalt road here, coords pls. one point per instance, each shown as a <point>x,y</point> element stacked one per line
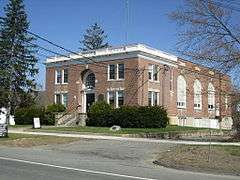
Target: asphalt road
<point>92,159</point>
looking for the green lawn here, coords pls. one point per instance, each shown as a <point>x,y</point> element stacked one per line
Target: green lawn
<point>22,140</point>
<point>13,136</point>
<point>105,130</point>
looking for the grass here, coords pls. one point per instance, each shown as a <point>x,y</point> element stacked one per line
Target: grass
<point>23,140</point>
<point>232,150</point>
<point>105,130</point>
<point>215,159</point>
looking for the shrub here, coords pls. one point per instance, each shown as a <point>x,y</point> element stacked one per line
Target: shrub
<point>101,114</point>
<point>51,111</point>
<point>55,108</point>
<point>25,115</point>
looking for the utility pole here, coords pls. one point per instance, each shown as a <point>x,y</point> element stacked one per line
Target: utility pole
<point>220,101</point>
<point>127,20</point>
<point>165,69</point>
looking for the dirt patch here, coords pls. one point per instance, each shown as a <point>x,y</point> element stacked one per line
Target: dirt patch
<point>19,140</point>
<point>213,159</point>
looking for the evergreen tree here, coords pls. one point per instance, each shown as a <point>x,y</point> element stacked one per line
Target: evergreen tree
<point>17,60</point>
<point>94,38</point>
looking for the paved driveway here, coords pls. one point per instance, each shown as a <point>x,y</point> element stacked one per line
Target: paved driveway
<point>91,159</point>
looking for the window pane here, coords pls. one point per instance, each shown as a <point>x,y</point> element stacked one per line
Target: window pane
<point>120,98</point>
<point>150,71</point>
<point>57,98</point>
<point>120,71</point>
<point>171,80</point>
<point>155,73</point>
<point>65,99</point>
<point>181,91</point>
<point>90,81</point>
<point>111,98</point>
<point>155,98</point>
<point>59,76</point>
<point>65,76</point>
<point>149,98</point>
<point>111,71</point>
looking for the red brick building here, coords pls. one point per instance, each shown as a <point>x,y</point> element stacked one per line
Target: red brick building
<point>139,75</point>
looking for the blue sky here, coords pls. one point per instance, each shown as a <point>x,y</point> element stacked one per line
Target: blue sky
<point>64,22</point>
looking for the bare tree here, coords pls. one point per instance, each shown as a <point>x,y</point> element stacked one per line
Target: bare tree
<point>209,33</point>
<point>236,112</point>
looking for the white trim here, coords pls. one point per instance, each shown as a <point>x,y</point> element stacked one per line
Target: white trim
<point>120,79</point>
<point>123,50</point>
<point>63,76</point>
<point>154,90</point>
<point>56,76</point>
<point>115,89</point>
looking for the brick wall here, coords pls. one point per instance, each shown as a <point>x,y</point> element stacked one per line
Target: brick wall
<point>136,85</point>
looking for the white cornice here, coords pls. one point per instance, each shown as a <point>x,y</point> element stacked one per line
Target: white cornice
<point>122,51</point>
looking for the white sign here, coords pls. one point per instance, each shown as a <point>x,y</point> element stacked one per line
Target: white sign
<point>36,123</point>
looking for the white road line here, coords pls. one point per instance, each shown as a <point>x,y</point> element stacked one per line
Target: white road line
<point>75,169</point>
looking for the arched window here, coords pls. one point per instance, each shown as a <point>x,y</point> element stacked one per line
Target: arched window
<point>90,81</point>
<point>181,92</point>
<point>197,87</point>
<point>211,97</point>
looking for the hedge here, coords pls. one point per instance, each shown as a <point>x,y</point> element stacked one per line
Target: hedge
<point>23,116</point>
<point>101,114</point>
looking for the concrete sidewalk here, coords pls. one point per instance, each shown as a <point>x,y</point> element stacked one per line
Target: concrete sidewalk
<point>126,138</point>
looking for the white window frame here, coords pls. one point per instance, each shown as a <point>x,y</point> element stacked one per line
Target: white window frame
<point>181,93</point>
<point>151,68</point>
<point>62,99</point>
<point>55,98</point>
<point>118,71</point>
<point>56,76</point>
<point>152,95</point>
<point>117,92</point>
<point>171,80</point>
<point>211,97</point>
<point>63,75</point>
<point>114,97</point>
<point>226,101</point>
<point>197,89</point>
<point>115,74</point>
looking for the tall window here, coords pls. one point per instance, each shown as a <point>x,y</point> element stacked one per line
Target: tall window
<point>211,97</point>
<point>61,98</point>
<point>197,95</point>
<point>58,76</point>
<point>171,80</point>
<point>65,99</point>
<point>153,72</point>
<point>90,81</point>
<point>150,72</point>
<point>58,99</point>
<point>120,71</point>
<point>111,98</point>
<point>65,75</point>
<point>120,98</point>
<point>153,98</point>
<point>181,92</point>
<point>226,101</point>
<point>111,73</point>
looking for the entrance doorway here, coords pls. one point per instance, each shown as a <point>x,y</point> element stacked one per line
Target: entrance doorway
<point>90,99</point>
